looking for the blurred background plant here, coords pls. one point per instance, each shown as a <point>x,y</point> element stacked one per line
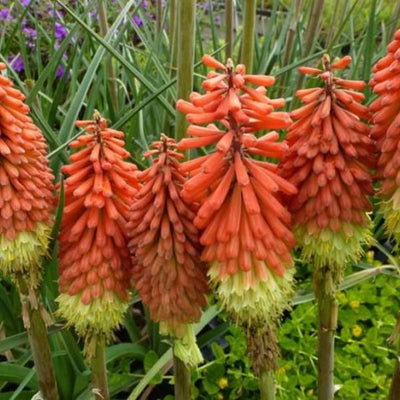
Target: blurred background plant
<point>60,59</point>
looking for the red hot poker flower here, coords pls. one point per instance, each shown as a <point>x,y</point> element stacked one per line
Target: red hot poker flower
<point>228,95</point>
<point>165,250</point>
<point>245,228</point>
<point>329,160</point>
<point>386,131</point>
<point>26,188</point>
<point>95,266</point>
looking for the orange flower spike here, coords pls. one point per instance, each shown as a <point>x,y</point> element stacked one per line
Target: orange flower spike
<point>166,251</point>
<point>326,138</point>
<point>245,228</point>
<point>386,131</point>
<point>26,188</point>
<point>95,266</point>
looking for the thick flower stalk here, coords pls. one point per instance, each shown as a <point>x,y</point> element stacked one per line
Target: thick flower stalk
<point>164,243</point>
<point>94,261</point>
<point>386,131</point>
<point>26,188</point>
<point>329,160</point>
<point>245,228</point>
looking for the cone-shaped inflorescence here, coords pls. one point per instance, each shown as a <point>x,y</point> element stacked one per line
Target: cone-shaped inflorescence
<point>164,244</point>
<point>386,131</point>
<point>26,189</point>
<point>95,267</point>
<point>245,228</point>
<point>229,98</point>
<point>329,160</point>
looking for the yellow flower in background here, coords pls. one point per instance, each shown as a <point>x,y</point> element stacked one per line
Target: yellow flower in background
<point>356,330</point>
<point>281,371</point>
<point>341,298</point>
<point>354,303</point>
<point>223,383</point>
<point>220,396</point>
<point>370,257</point>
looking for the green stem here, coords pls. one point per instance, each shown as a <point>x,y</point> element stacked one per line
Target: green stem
<point>33,313</point>
<point>297,8</point>
<point>394,393</point>
<point>173,37</point>
<point>103,23</point>
<point>182,380</point>
<point>173,48</point>
<point>313,26</point>
<point>249,27</point>
<point>172,32</point>
<point>159,16</point>
<point>186,39</point>
<point>335,17</point>
<point>99,371</point>
<point>229,28</point>
<point>310,34</point>
<point>263,350</point>
<point>267,384</point>
<point>395,386</point>
<point>393,21</point>
<point>327,313</point>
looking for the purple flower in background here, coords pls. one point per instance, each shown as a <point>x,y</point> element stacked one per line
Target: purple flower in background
<point>29,32</point>
<point>5,14</point>
<point>17,63</point>
<point>206,6</point>
<point>137,20</point>
<point>144,4</point>
<point>30,35</point>
<point>218,20</point>
<point>60,71</point>
<point>25,3</point>
<point>60,31</point>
